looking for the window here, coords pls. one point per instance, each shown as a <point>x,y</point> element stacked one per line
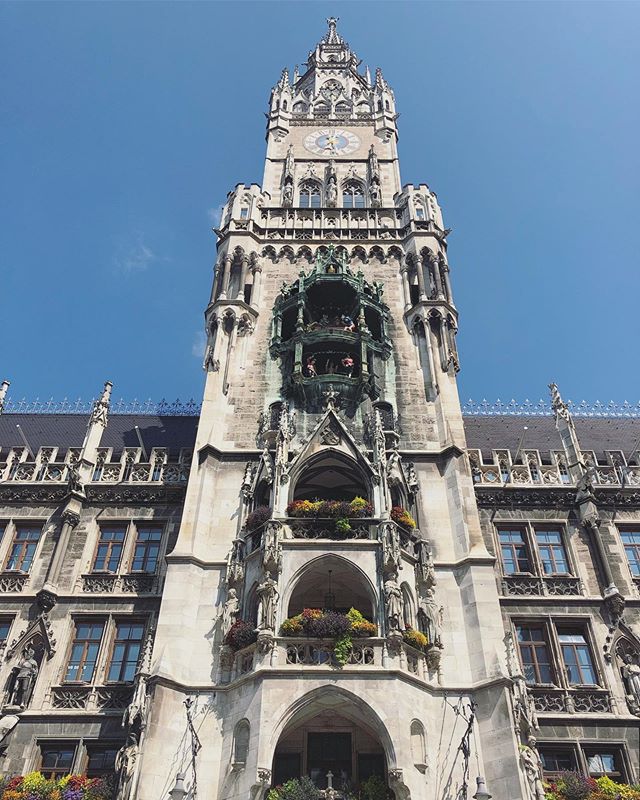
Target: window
<point>576,655</point>
<point>56,759</point>
<point>555,761</point>
<point>241,742</point>
<point>419,212</point>
<point>353,195</point>
<point>5,627</point>
<point>309,195</point>
<point>84,651</point>
<point>244,212</point>
<point>147,550</point>
<point>126,651</point>
<point>515,555</point>
<point>101,760</point>
<point>534,654</point>
<point>109,549</point>
<point>631,542</point>
<point>552,553</point>
<point>23,547</point>
<point>604,761</point>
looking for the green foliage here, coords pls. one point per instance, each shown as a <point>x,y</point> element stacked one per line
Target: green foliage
<point>342,648</point>
<point>574,786</point>
<point>342,526</point>
<point>35,786</point>
<point>295,789</point>
<point>415,639</point>
<point>374,788</point>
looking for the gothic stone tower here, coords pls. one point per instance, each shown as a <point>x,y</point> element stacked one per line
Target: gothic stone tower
<point>330,375</point>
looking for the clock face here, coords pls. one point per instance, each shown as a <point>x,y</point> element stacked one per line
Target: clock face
<point>332,142</point>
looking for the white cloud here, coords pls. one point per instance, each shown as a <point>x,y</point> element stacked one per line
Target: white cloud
<point>215,216</point>
<point>134,255</point>
<point>199,343</point>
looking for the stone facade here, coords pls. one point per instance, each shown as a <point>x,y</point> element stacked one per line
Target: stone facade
<point>155,567</point>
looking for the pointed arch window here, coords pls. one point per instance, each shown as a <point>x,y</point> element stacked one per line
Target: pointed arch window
<point>353,195</point>
<point>310,195</point>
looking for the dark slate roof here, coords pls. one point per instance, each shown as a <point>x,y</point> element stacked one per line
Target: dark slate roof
<point>503,432</point>
<point>68,430</point>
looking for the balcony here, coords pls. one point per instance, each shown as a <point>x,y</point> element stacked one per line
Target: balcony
<point>526,585</point>
<point>572,701</point>
<point>325,528</point>
<point>91,698</point>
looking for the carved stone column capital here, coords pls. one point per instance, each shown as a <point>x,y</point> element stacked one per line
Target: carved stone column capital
<point>70,518</point>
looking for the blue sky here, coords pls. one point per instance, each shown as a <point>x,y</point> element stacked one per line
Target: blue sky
<point>125,124</point>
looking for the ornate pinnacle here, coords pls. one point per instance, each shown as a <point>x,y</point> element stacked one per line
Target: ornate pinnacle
<point>101,407</point>
<point>560,408</point>
<point>332,36</point>
<point>4,386</point>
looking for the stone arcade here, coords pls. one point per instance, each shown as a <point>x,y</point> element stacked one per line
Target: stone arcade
<point>328,569</point>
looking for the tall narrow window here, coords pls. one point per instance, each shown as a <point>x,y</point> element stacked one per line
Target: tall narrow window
<point>515,556</point>
<point>145,556</point>
<point>23,547</point>
<point>84,651</point>
<point>5,626</point>
<point>534,654</point>
<point>109,549</point>
<point>603,761</point>
<point>552,553</point>
<point>353,195</point>
<point>631,542</point>
<point>126,651</point>
<point>310,195</point>
<point>576,655</point>
<point>56,759</point>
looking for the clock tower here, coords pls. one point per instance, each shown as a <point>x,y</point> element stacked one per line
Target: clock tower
<point>330,611</point>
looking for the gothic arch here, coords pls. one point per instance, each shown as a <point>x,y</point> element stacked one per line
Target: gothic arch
<point>241,736</point>
<point>308,190</point>
<point>395,252</point>
<point>305,253</point>
<point>359,252</point>
<point>353,706</point>
<point>286,252</point>
<point>269,252</point>
<point>418,744</point>
<point>377,252</point>
<point>326,471</point>
<point>360,589</point>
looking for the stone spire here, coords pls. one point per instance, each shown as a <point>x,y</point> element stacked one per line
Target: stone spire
<point>332,36</point>
<point>4,386</point>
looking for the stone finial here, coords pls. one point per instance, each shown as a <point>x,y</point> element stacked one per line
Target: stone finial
<point>4,386</point>
<point>560,408</point>
<point>332,36</point>
<point>101,407</point>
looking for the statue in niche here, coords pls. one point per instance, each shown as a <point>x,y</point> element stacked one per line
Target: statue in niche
<point>532,768</point>
<point>287,195</point>
<point>631,674</point>
<point>332,191</point>
<point>272,555</point>
<point>374,194</point>
<point>429,617</point>
<point>393,603</point>
<point>425,567</point>
<point>230,611</point>
<point>125,765</point>
<point>23,678</point>
<point>268,593</point>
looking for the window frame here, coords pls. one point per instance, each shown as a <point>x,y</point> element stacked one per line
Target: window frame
<point>304,189</point>
<point>353,188</point>
<point>584,630</point>
<point>103,527</point>
<point>582,750</point>
<point>546,640</point>
<point>76,622</point>
<point>529,530</point>
<point>510,529</point>
<point>558,746</point>
<point>116,621</point>
<point>57,743</point>
<point>13,528</point>
<point>560,529</point>
<point>631,530</point>
<point>138,528</point>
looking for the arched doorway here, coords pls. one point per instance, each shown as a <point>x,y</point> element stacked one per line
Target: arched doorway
<point>333,732</point>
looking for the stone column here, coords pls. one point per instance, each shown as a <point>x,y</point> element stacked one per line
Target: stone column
<point>422,295</point>
<point>47,596</point>
<point>435,266</point>
<point>243,277</point>
<point>447,281</point>
<point>257,286</point>
<point>406,292</point>
<point>226,276</point>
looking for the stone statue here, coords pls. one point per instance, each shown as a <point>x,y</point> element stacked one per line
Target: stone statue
<point>391,547</point>
<point>332,192</point>
<point>532,768</point>
<point>230,611</point>
<point>24,678</point>
<point>393,602</point>
<point>426,572</point>
<point>373,161</point>
<point>631,673</point>
<point>268,593</point>
<point>126,759</point>
<point>429,617</point>
<point>525,707</point>
<point>271,557</point>
<point>374,194</point>
<point>287,195</point>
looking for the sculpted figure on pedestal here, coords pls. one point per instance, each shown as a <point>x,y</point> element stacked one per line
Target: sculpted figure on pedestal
<point>230,611</point>
<point>268,593</point>
<point>23,679</point>
<point>393,602</point>
<point>631,674</point>
<point>532,768</point>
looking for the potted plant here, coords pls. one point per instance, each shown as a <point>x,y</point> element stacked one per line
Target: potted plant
<point>403,518</point>
<point>241,634</point>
